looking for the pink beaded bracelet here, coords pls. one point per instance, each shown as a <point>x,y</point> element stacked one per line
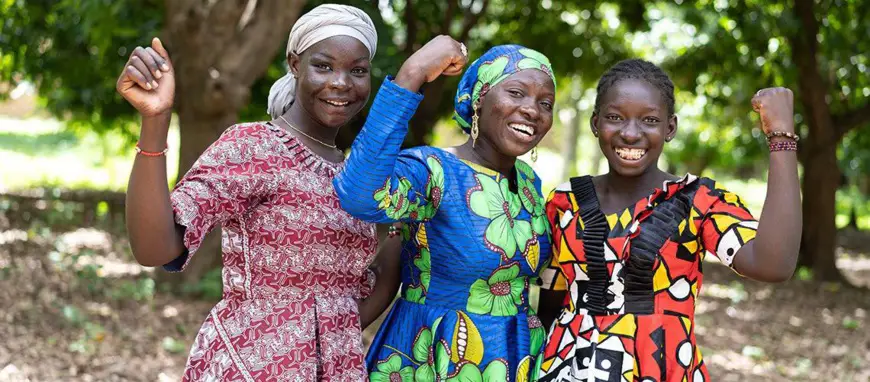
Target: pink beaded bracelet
<point>783,146</point>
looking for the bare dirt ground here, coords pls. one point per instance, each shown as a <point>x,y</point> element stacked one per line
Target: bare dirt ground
<point>74,307</point>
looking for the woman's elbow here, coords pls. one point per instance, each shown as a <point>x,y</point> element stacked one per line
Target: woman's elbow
<point>151,257</point>
<point>776,275</point>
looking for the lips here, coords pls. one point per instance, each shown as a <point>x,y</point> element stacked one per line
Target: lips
<point>337,102</point>
<point>629,154</point>
<point>522,128</point>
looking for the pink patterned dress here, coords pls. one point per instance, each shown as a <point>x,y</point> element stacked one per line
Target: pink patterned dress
<point>295,264</point>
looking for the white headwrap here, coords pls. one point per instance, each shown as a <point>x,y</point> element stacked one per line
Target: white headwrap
<point>320,23</point>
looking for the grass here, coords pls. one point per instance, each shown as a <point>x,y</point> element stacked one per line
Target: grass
<point>42,153</point>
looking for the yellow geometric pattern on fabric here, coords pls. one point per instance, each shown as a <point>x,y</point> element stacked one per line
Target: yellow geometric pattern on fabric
<point>619,220</point>
<point>693,216</point>
<point>731,198</point>
<point>565,255</point>
<point>661,279</point>
<point>625,218</point>
<point>611,220</point>
<point>723,221</point>
<point>691,246</point>
<point>573,200</point>
<point>624,326</point>
<point>687,324</point>
<point>746,234</point>
<point>546,365</point>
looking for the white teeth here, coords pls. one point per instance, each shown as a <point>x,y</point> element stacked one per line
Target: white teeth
<point>526,129</point>
<point>630,154</point>
<point>336,103</point>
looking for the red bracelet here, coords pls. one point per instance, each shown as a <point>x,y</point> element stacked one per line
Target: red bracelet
<point>151,154</point>
<point>782,146</point>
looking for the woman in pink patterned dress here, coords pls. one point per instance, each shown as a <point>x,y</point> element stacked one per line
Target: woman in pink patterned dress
<point>295,264</point>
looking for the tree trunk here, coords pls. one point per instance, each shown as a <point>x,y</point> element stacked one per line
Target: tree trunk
<point>569,144</point>
<point>821,172</point>
<point>821,176</point>
<point>427,114</point>
<point>218,48</point>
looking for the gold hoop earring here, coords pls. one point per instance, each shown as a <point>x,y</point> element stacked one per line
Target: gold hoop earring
<point>475,130</point>
<point>534,154</point>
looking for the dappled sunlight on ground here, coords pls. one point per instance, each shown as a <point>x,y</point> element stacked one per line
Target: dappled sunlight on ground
<point>75,306</point>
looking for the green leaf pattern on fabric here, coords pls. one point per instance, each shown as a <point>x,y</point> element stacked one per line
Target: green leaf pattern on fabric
<point>397,205</point>
<point>500,294</point>
<point>494,201</point>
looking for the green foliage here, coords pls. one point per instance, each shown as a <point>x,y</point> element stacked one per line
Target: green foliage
<point>738,47</point>
<point>209,287</point>
<point>173,345</point>
<point>73,50</point>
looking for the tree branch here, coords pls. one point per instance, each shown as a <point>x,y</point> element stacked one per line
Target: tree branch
<point>471,20</point>
<point>410,28</point>
<point>851,119</point>
<point>452,5</point>
<point>251,50</point>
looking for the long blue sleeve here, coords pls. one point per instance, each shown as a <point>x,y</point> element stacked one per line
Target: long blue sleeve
<point>381,184</point>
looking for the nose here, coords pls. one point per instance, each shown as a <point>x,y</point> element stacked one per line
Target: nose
<point>529,109</point>
<point>340,80</point>
<point>630,132</point>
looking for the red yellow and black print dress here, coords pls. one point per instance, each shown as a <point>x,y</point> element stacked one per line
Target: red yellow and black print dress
<point>633,278</point>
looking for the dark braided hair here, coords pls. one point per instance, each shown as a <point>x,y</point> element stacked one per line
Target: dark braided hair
<point>637,69</point>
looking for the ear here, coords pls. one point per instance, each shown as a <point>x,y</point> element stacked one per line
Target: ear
<point>593,124</point>
<point>294,61</point>
<point>672,128</point>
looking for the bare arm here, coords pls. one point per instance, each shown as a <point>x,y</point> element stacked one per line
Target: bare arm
<point>148,83</point>
<point>387,268</point>
<point>772,256</point>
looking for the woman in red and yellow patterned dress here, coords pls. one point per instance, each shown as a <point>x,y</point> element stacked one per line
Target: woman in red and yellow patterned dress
<point>628,245</point>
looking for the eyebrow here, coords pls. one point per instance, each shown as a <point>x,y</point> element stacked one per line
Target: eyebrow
<point>613,105</point>
<point>521,83</point>
<point>326,56</point>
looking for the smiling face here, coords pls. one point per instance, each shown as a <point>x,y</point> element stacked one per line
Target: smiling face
<point>333,80</point>
<point>518,112</point>
<point>633,123</point>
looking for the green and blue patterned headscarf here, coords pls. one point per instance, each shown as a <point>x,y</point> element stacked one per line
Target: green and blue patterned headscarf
<point>494,66</point>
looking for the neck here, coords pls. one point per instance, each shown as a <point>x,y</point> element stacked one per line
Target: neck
<point>632,185</point>
<point>302,120</point>
<point>485,154</point>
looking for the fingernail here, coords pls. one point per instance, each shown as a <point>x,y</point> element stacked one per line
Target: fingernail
<point>164,67</point>
<point>156,84</point>
<point>147,86</point>
<point>158,74</point>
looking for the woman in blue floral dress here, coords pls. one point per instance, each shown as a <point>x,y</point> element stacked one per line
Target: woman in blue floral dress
<point>475,232</point>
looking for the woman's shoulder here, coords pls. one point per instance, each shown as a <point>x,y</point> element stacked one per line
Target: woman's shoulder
<point>248,129</point>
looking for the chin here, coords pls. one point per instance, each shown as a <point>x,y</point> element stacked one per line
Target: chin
<point>336,120</point>
<point>619,166</point>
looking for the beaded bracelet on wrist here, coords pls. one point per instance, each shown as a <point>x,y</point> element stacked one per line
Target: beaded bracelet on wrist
<point>784,134</point>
